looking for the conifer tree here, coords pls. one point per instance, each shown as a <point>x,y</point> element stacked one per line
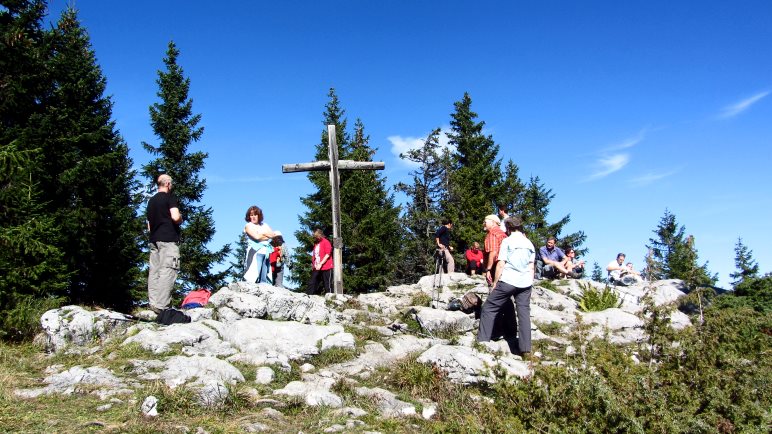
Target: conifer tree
<point>597,273</point>
<point>90,182</point>
<point>177,128</point>
<point>534,211</point>
<point>746,267</point>
<point>422,212</point>
<point>368,216</point>
<point>369,222</point>
<point>512,190</point>
<point>475,181</point>
<point>674,256</point>
<point>237,265</point>
<point>319,202</point>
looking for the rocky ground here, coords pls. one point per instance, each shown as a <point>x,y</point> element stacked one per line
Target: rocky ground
<point>250,336</point>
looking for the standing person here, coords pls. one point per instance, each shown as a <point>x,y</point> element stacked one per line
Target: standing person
<point>321,265</point>
<point>503,216</point>
<point>492,243</point>
<point>514,277</point>
<point>259,236</point>
<point>474,259</point>
<point>163,222</point>
<point>278,259</point>
<point>442,239</point>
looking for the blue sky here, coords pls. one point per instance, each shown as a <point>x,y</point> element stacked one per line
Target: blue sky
<point>623,109</point>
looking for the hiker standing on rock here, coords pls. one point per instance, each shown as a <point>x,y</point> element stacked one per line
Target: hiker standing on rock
<point>514,277</point>
<point>259,237</point>
<point>442,239</point>
<point>321,264</point>
<point>163,222</point>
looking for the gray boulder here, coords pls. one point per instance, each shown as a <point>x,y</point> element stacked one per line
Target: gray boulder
<point>467,366</point>
<point>435,320</point>
<point>73,325</point>
<point>101,381</point>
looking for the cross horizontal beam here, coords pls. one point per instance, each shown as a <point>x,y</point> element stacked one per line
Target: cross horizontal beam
<point>325,165</point>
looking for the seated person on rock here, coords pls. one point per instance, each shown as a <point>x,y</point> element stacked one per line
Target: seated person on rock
<point>474,259</point>
<point>550,262</point>
<point>574,266</point>
<point>619,274</point>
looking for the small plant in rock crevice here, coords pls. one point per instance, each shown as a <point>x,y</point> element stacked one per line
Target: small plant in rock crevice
<point>594,300</point>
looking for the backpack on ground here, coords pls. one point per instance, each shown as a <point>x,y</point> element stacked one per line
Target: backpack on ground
<point>172,316</point>
<point>470,302</point>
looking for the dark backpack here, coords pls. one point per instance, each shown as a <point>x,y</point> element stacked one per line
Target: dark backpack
<point>172,316</point>
<point>470,302</point>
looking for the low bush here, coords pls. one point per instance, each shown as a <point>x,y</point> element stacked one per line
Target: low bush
<point>593,300</point>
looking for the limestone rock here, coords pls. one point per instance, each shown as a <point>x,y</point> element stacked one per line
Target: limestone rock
<point>435,320</point>
<point>70,381</point>
<point>314,390</point>
<point>73,325</point>
<point>149,406</point>
<point>160,338</point>
<point>264,375</point>
<point>466,365</point>
<point>251,300</point>
<point>387,402</point>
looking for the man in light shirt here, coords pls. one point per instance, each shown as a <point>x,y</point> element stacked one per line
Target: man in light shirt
<point>514,277</point>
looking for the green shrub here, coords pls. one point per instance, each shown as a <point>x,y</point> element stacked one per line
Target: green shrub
<point>593,300</point>
<point>549,285</point>
<point>421,299</point>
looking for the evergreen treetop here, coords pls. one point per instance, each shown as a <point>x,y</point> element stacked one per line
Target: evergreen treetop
<point>746,265</point>
<point>177,128</point>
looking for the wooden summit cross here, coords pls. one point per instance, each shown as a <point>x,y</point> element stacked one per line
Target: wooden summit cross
<point>333,165</point>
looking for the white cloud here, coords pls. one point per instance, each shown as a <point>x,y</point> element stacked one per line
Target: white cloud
<point>735,109</point>
<point>630,142</point>
<point>650,177</point>
<point>607,165</point>
<point>400,145</point>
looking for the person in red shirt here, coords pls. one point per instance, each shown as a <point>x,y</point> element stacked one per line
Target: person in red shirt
<point>492,243</point>
<point>474,259</point>
<point>321,265</point>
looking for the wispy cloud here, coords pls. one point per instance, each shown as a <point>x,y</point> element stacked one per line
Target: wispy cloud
<point>735,109</point>
<point>629,142</point>
<point>609,164</point>
<point>650,177</point>
<point>400,145</point>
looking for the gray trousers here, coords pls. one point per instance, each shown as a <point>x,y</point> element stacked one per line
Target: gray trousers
<point>497,304</point>
<point>449,262</point>
<point>164,266</point>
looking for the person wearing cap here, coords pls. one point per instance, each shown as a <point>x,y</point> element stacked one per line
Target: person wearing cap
<point>491,245</point>
<point>442,239</point>
<point>278,259</point>
<point>513,278</point>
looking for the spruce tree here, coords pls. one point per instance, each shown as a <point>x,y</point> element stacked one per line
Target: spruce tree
<point>90,178</point>
<point>534,211</point>
<point>369,222</point>
<point>512,189</point>
<point>422,211</point>
<point>368,216</point>
<point>746,267</point>
<point>674,256</point>
<point>237,265</point>
<point>475,181</point>
<point>597,273</point>
<point>177,129</point>
<point>33,273</point>
<point>319,202</point>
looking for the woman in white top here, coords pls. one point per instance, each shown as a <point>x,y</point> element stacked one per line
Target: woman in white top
<point>259,248</point>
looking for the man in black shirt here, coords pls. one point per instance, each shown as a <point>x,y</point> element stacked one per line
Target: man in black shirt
<point>163,222</point>
<point>442,239</point>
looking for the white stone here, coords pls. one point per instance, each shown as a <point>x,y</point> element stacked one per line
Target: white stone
<point>150,406</point>
<point>159,339</point>
<point>315,392</point>
<point>435,320</point>
<point>69,381</point>
<point>307,367</point>
<point>614,318</point>
<point>264,375</point>
<point>73,325</point>
<point>338,340</point>
<point>387,402</point>
<point>466,365</point>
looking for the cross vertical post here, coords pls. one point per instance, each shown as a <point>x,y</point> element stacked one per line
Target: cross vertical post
<point>337,240</point>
